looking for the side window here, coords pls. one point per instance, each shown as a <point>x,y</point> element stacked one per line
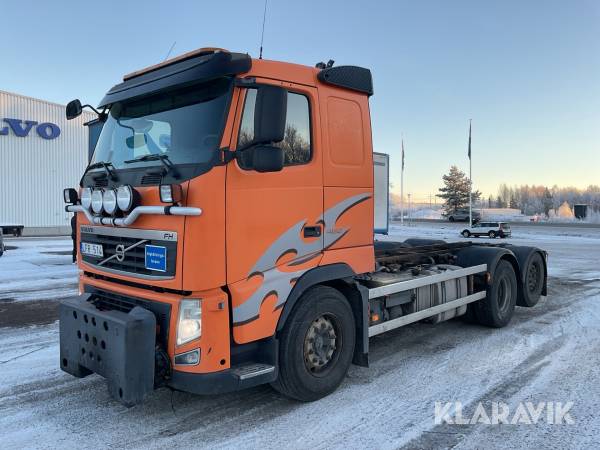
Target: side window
<point>296,143</point>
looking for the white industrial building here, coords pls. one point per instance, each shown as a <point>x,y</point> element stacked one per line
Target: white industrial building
<point>41,153</point>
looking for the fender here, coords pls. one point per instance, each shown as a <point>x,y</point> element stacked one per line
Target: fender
<point>339,276</point>
<point>472,256</point>
<point>309,279</point>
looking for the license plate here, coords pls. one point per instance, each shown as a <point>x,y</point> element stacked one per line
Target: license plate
<point>92,250</point>
<point>156,258</point>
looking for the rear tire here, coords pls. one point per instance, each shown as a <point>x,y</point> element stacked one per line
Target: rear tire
<point>466,233</point>
<point>492,234</point>
<point>498,307</point>
<point>533,281</point>
<point>316,345</point>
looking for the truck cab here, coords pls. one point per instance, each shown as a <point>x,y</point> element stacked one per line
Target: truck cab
<point>225,227</point>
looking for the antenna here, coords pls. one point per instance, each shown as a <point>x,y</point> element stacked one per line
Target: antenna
<point>262,36</point>
<point>170,50</point>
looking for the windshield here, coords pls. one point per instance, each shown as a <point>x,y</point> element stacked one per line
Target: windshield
<point>184,125</point>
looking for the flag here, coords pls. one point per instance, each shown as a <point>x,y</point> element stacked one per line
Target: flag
<point>469,139</point>
<point>402,154</point>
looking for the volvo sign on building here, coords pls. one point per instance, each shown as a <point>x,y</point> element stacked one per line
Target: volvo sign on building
<point>40,154</point>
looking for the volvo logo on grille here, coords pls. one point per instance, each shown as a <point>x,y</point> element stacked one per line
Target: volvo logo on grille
<point>120,252</point>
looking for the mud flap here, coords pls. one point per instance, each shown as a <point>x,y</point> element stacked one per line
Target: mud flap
<point>116,345</point>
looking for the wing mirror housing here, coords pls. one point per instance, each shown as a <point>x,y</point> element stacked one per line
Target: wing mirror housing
<point>270,114</point>
<point>267,158</point>
<point>74,109</point>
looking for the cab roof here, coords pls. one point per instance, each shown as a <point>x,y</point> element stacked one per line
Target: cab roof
<point>206,64</point>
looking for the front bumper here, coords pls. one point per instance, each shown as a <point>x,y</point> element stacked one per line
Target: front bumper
<point>116,345</point>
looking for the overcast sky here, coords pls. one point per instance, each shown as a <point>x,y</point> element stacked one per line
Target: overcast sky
<point>526,72</point>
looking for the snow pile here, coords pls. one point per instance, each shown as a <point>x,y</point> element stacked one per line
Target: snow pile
<point>37,269</point>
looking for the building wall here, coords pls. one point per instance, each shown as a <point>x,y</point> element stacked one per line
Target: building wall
<point>34,171</point>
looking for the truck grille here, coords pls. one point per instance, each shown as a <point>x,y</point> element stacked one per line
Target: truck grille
<point>124,251</point>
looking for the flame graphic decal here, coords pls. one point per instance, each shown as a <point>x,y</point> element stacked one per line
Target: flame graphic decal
<point>276,281</point>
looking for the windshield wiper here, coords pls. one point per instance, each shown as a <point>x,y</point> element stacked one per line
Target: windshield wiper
<point>164,159</point>
<point>102,164</point>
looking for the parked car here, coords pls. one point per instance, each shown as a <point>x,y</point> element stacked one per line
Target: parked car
<point>1,243</point>
<point>462,215</point>
<point>490,229</point>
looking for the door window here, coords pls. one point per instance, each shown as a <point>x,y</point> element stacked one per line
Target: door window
<point>296,144</point>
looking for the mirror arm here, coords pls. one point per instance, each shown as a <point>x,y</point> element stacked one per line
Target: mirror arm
<point>228,155</point>
<point>93,109</point>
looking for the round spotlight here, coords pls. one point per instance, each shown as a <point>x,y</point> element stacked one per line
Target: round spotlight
<point>97,201</point>
<point>109,201</point>
<point>86,198</point>
<point>125,197</point>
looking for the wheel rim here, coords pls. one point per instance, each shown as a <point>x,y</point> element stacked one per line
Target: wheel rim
<point>503,294</point>
<point>321,344</point>
<point>533,277</point>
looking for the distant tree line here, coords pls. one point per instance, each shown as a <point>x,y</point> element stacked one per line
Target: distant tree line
<point>533,199</point>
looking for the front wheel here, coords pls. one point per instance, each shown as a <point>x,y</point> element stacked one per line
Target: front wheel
<point>492,234</point>
<point>466,233</point>
<point>316,345</point>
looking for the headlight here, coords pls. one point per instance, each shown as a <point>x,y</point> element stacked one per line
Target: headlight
<point>86,198</point>
<point>189,326</point>
<point>125,198</point>
<point>109,201</point>
<point>97,201</point>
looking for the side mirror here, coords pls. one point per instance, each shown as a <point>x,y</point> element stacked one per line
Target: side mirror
<point>70,196</point>
<point>270,114</point>
<point>74,109</point>
<point>267,158</point>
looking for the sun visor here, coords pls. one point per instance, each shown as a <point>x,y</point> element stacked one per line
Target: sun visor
<point>203,67</point>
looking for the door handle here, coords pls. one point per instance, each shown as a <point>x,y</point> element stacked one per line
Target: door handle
<point>314,231</point>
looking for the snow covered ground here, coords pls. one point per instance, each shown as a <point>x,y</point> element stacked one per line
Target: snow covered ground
<point>37,269</point>
<point>547,354</point>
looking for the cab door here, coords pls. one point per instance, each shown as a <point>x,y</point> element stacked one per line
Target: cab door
<point>274,229</point>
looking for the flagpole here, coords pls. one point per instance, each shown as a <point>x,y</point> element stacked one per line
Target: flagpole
<point>470,181</point>
<point>402,187</point>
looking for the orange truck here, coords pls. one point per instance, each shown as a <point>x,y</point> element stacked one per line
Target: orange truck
<point>226,235</point>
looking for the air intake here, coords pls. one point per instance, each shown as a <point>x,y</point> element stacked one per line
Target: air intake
<point>151,179</point>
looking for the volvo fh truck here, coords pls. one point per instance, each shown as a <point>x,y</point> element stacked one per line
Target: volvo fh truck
<point>226,233</point>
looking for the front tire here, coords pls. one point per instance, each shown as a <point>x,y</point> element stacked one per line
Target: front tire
<point>316,345</point>
<point>466,233</point>
<point>498,307</point>
<point>492,234</point>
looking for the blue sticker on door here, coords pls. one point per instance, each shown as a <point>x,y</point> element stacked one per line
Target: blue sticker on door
<point>156,258</point>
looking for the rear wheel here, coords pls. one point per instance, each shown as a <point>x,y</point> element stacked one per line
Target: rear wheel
<point>316,345</point>
<point>466,233</point>
<point>498,307</point>
<point>533,282</point>
<point>492,234</point>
